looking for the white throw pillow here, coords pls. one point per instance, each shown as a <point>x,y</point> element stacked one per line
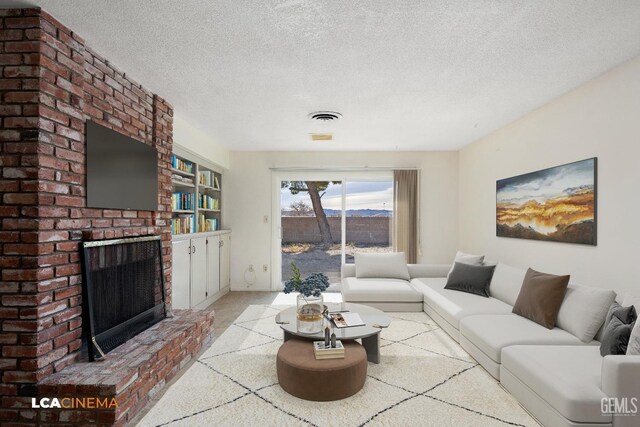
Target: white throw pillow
<point>382,266</point>
<point>633,349</point>
<point>506,283</point>
<point>583,310</point>
<point>466,259</point>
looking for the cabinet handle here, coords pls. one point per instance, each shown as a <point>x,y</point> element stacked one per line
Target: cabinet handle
<point>194,249</point>
<point>189,249</point>
<point>221,243</point>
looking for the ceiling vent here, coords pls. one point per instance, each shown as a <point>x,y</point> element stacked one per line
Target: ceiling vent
<point>322,137</point>
<point>325,116</point>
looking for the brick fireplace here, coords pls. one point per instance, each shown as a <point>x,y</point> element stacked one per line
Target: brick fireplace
<point>51,83</point>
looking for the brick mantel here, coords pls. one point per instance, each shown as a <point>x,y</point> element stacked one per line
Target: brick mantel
<point>51,83</point>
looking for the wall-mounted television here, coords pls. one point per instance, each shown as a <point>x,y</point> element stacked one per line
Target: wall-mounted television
<point>122,173</point>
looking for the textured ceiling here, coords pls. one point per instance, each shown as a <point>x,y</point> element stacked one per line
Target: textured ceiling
<point>406,75</point>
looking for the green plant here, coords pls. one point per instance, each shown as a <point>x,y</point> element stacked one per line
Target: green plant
<point>313,284</point>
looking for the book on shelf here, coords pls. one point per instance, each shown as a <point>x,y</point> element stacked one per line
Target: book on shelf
<point>216,183</point>
<point>182,201</point>
<point>208,202</point>
<point>183,224</point>
<point>346,320</point>
<point>206,178</point>
<point>320,351</point>
<point>207,224</point>
<point>181,165</point>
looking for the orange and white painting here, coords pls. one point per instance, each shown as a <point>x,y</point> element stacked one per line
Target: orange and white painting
<point>556,204</point>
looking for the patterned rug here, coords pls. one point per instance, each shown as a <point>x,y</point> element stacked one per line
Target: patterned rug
<point>424,379</point>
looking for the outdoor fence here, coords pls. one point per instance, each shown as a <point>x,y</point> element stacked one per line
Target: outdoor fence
<point>360,230</point>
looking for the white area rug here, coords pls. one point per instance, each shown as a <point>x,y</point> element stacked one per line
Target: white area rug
<point>424,379</point>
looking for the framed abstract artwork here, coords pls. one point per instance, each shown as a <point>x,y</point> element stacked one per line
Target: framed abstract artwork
<point>557,204</point>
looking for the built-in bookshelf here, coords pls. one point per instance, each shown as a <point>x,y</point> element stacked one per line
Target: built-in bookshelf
<point>196,196</point>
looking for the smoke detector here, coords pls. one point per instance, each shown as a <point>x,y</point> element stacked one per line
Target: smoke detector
<point>325,116</point>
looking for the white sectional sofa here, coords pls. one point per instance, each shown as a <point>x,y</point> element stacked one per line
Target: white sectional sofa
<point>556,376</point>
<point>388,294</point>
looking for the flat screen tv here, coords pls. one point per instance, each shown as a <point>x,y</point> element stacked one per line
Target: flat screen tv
<point>122,173</point>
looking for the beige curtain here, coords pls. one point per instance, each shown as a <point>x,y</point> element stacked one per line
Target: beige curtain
<point>405,213</point>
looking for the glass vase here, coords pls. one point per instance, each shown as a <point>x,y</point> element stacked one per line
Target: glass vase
<point>309,312</point>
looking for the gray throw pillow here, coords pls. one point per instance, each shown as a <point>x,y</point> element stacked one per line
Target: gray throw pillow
<point>473,279</point>
<point>634,341</point>
<point>625,314</point>
<point>466,259</point>
<point>617,329</point>
<point>615,338</point>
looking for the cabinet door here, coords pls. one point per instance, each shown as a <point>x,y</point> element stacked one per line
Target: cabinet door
<point>181,273</point>
<point>198,270</point>
<point>213,265</point>
<point>225,260</point>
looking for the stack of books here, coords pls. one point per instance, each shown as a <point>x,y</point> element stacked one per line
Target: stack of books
<point>322,352</point>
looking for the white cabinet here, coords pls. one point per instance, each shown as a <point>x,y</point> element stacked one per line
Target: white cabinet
<point>200,269</point>
<point>225,260</point>
<point>213,265</point>
<point>180,282</point>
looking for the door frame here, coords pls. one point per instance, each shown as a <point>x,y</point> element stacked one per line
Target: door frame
<point>329,175</point>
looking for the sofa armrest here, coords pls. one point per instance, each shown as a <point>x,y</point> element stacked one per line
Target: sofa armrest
<point>428,270</point>
<point>621,376</point>
<point>347,270</point>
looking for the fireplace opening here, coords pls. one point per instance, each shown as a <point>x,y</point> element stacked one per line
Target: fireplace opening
<point>123,292</point>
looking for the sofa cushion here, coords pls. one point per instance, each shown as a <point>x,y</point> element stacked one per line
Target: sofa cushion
<point>506,283</point>
<point>583,310</point>
<point>540,297</point>
<point>567,377</point>
<point>379,290</point>
<point>492,333</point>
<point>466,259</point>
<point>453,305</point>
<point>386,265</point>
<point>473,279</point>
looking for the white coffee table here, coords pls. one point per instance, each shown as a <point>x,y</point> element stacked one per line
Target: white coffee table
<point>375,320</point>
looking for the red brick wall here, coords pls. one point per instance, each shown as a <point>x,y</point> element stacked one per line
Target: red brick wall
<point>50,84</point>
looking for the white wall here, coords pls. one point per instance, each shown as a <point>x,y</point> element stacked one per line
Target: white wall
<point>193,139</point>
<point>600,119</point>
<point>249,198</point>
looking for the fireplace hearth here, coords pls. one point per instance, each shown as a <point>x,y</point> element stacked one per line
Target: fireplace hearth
<point>123,289</point>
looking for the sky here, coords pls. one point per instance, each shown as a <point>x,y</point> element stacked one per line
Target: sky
<point>547,183</point>
<point>360,195</point>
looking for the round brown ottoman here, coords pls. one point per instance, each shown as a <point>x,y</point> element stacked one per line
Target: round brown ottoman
<point>301,375</point>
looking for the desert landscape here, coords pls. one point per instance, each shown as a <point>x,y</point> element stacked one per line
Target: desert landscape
<point>556,204</point>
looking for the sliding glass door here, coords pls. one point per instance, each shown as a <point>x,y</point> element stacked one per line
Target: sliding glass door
<point>368,217</point>
<point>323,219</point>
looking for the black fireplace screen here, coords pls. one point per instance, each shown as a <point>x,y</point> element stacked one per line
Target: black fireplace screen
<point>123,290</point>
